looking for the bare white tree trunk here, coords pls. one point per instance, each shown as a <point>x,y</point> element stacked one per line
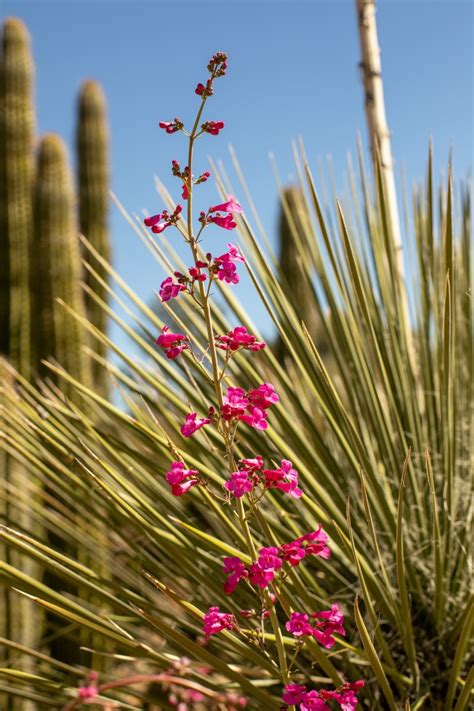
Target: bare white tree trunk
<point>380,135</point>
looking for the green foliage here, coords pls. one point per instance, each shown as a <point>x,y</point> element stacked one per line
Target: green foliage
<point>17,131</point>
<point>40,261</point>
<point>57,336</point>
<point>387,432</point>
<point>93,186</point>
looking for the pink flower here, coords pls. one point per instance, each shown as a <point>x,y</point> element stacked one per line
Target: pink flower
<point>228,272</point>
<point>170,290</point>
<point>185,193</point>
<point>88,692</point>
<point>259,576</point>
<point>239,484</point>
<point>158,223</point>
<point>239,338</point>
<point>171,126</point>
<point>263,396</point>
<point>215,621</point>
<point>263,571</point>
<point>252,464</point>
<point>345,695</point>
<point>268,558</point>
<point>313,702</point>
<point>172,343</point>
<point>315,543</point>
<point>285,479</point>
<point>292,553</point>
<point>329,622</point>
<point>236,570</point>
<point>234,403</point>
<point>256,418</point>
<point>298,625</point>
<point>232,255</point>
<point>181,479</point>
<point>199,89</point>
<point>226,221</point>
<point>212,127</point>
<point>293,694</point>
<point>192,424</point>
<point>230,206</point>
<point>195,272</point>
<point>203,177</point>
<point>226,265</point>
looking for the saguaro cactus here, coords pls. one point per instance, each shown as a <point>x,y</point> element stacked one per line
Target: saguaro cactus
<point>290,234</point>
<point>58,263</point>
<point>92,138</point>
<point>17,131</point>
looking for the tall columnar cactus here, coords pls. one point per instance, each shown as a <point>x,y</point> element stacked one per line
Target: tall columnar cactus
<point>92,138</point>
<point>19,621</point>
<point>17,131</point>
<point>57,270</point>
<point>292,225</point>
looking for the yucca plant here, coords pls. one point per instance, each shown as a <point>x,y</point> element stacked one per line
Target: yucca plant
<point>381,447</point>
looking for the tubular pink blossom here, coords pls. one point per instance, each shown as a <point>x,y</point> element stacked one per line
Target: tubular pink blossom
<point>236,570</point>
<point>172,343</point>
<point>239,484</point>
<point>239,338</point>
<point>170,290</point>
<point>227,222</point>
<point>192,424</point>
<point>215,621</point>
<point>298,625</point>
<point>181,479</point>
<point>230,206</point>
<point>212,127</point>
<point>293,694</point>
<point>153,220</point>
<point>88,692</point>
<point>263,396</point>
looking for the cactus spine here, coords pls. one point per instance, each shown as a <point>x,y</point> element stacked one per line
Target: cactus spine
<point>58,335</point>
<point>17,130</point>
<point>93,177</point>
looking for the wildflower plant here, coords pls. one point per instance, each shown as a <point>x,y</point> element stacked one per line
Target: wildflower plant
<point>290,527</point>
<point>233,407</point>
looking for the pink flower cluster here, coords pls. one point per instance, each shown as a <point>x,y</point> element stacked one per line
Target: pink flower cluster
<point>172,343</point>
<point>322,627</point>
<point>215,621</point>
<point>171,126</point>
<point>237,339</point>
<point>345,696</point>
<point>231,206</point>
<point>170,289</point>
<point>249,407</point>
<point>160,222</point>
<point>186,178</point>
<point>225,266</point>
<point>271,559</point>
<point>181,479</point>
<point>91,689</point>
<point>251,474</point>
<point>212,127</point>
<point>238,405</point>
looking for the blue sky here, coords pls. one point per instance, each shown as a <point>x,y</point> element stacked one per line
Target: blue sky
<point>292,70</point>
